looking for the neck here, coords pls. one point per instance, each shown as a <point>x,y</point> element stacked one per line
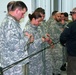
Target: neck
<point>12,15</point>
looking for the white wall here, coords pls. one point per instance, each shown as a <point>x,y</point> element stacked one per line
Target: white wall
<point>47,9</point>
<point>3,9</point>
<point>67,5</point>
<point>74,3</point>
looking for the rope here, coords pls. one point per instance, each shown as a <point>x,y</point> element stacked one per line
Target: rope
<point>10,66</point>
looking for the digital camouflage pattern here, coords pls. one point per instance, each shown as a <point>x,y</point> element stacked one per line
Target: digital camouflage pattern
<point>37,64</point>
<point>47,53</point>
<point>50,20</point>
<point>12,43</point>
<point>54,29</point>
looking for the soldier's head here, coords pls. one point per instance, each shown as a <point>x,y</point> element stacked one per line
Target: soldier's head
<point>41,11</point>
<point>17,9</point>
<point>58,16</point>
<point>54,13</point>
<point>66,16</point>
<point>73,13</point>
<point>35,18</point>
<point>62,16</point>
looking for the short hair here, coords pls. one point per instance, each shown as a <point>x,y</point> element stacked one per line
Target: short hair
<point>12,5</point>
<point>54,12</point>
<point>74,9</point>
<point>40,10</point>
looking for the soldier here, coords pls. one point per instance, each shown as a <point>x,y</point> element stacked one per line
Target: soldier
<point>51,18</point>
<point>12,40</point>
<point>36,62</point>
<point>47,58</point>
<point>55,30</point>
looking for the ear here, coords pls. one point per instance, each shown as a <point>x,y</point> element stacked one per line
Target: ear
<point>33,19</point>
<point>16,10</point>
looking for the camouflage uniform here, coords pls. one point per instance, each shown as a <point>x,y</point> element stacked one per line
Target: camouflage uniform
<point>37,62</point>
<point>12,42</point>
<point>49,21</point>
<point>55,30</point>
<point>47,53</point>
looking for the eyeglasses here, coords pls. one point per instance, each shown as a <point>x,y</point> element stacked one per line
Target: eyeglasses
<point>71,12</point>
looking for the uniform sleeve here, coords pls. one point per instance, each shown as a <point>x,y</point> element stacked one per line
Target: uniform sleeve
<point>37,39</point>
<point>14,37</point>
<point>54,32</point>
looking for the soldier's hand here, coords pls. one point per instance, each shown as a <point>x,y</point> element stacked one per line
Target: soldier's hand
<point>31,38</point>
